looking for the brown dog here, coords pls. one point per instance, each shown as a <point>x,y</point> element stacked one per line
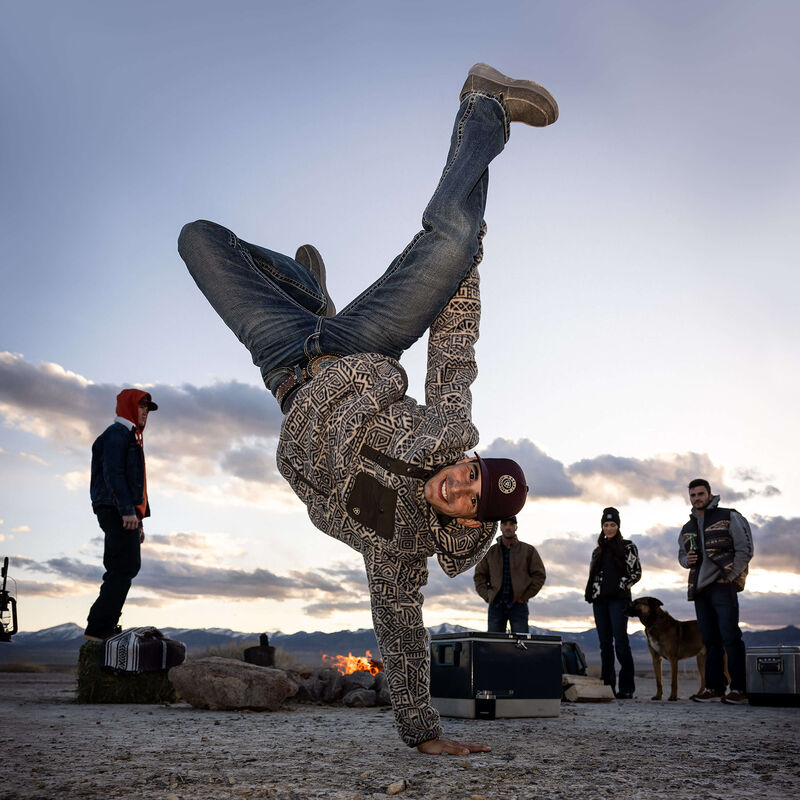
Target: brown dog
<point>669,638</point>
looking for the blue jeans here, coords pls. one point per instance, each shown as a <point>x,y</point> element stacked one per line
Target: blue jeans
<point>273,304</point>
<point>122,560</point>
<point>612,631</point>
<point>500,615</point>
<point>717,609</point>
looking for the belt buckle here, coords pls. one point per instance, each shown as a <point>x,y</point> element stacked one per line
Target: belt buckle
<point>320,362</point>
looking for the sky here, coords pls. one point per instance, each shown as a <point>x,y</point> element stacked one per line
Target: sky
<point>639,283</point>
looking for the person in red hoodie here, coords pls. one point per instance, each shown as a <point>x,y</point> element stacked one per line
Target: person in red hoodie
<point>118,491</point>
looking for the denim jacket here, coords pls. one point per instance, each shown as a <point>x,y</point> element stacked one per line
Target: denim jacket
<point>117,470</point>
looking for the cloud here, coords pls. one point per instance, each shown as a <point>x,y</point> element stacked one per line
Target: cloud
<point>175,569</point>
<point>227,428</point>
<point>224,436</point>
<point>775,540</point>
<point>546,476</point>
<point>616,478</point>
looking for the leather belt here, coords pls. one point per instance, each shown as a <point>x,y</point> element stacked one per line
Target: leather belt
<point>284,394</point>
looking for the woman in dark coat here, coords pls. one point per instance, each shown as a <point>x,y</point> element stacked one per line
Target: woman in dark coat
<point>614,569</point>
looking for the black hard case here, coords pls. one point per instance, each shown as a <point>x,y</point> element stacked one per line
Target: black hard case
<point>488,675</point>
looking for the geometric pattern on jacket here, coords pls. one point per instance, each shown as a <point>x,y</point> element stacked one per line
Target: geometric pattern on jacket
<point>633,571</point>
<point>361,400</point>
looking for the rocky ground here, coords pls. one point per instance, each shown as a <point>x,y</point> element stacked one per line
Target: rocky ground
<point>53,748</point>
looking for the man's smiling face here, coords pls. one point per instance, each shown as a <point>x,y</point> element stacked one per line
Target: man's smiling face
<point>454,491</point>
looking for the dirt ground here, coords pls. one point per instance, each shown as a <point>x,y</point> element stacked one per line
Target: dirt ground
<point>53,748</point>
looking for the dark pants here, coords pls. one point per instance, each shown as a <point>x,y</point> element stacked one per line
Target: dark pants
<point>612,631</point>
<point>717,609</point>
<point>122,560</point>
<point>500,615</point>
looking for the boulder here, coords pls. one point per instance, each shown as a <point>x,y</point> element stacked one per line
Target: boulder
<point>358,680</point>
<point>381,687</point>
<point>225,683</point>
<point>310,689</point>
<point>359,698</point>
<point>334,689</point>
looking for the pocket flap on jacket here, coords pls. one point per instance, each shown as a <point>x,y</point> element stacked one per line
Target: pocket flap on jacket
<point>372,505</point>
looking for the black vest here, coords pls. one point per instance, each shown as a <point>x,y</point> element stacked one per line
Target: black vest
<point>717,543</point>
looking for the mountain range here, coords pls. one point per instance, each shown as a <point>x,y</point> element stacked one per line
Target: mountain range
<point>57,647</point>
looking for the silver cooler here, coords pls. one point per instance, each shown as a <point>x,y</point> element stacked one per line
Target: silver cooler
<point>773,675</point>
<point>494,675</point>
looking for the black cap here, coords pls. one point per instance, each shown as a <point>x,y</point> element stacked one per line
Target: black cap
<point>148,401</point>
<point>610,514</point>
<point>503,489</point>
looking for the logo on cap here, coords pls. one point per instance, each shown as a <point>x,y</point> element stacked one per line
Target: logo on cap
<point>506,484</point>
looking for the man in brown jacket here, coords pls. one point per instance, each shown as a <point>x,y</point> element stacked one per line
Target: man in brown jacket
<point>376,470</point>
<point>510,574</point>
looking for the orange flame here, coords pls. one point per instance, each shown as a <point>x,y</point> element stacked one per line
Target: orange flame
<point>350,663</point>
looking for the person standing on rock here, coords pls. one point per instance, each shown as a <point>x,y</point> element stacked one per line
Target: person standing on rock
<point>376,470</point>
<point>118,491</point>
<point>510,574</point>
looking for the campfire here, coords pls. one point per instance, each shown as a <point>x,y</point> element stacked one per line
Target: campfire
<point>350,663</point>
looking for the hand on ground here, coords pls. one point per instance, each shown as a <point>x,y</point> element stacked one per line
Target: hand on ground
<point>450,747</point>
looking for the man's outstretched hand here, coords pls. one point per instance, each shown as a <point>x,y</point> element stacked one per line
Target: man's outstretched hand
<point>450,747</point>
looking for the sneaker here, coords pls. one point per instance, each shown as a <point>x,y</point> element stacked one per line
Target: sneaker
<point>526,101</point>
<point>706,696</point>
<point>308,256</point>
<point>735,698</point>
<point>624,695</point>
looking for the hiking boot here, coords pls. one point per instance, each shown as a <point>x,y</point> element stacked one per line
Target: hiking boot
<point>100,636</point>
<point>308,256</point>
<point>735,698</point>
<point>706,696</point>
<point>526,101</point>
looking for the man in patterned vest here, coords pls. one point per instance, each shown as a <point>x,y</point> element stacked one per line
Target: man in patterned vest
<point>716,546</point>
<point>375,469</point>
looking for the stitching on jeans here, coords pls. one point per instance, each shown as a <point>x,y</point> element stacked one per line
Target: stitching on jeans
<point>276,276</point>
<point>279,276</point>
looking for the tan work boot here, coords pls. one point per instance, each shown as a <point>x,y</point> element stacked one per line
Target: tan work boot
<point>526,101</point>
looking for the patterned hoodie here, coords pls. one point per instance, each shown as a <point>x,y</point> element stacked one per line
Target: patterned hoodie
<point>357,451</point>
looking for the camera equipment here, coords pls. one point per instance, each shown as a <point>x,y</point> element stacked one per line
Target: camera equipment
<point>8,609</point>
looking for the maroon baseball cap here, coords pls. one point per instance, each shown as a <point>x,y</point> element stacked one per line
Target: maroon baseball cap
<point>503,489</point>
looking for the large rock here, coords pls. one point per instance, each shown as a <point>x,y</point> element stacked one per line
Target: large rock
<point>358,680</point>
<point>225,683</point>
<point>359,698</point>
<point>381,688</point>
<point>334,688</point>
<point>97,685</point>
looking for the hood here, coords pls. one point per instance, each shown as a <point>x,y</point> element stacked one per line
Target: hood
<point>128,404</point>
